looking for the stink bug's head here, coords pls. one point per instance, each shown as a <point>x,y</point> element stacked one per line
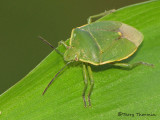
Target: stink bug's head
<point>71,54</point>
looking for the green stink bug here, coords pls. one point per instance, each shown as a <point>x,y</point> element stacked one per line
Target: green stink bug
<point>99,43</point>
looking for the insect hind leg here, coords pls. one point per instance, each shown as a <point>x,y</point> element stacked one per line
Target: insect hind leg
<point>130,66</point>
<point>85,84</point>
<point>100,15</point>
<point>92,84</point>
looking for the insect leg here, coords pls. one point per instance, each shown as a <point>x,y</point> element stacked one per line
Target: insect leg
<point>130,66</point>
<point>92,84</point>
<point>63,43</point>
<point>100,15</point>
<point>85,83</point>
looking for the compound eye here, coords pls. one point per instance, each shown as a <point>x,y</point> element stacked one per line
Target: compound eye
<point>76,58</point>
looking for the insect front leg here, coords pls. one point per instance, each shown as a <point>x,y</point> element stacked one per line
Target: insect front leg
<point>91,82</point>
<point>63,43</point>
<point>100,15</point>
<point>130,66</point>
<point>85,83</point>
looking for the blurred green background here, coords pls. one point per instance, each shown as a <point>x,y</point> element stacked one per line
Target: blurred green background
<point>21,21</point>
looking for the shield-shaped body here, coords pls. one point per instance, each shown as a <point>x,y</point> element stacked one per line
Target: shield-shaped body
<point>103,42</point>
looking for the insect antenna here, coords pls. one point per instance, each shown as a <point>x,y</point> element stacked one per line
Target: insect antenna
<point>55,77</point>
<point>45,41</point>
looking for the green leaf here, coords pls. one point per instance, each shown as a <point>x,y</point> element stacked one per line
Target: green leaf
<point>116,90</point>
